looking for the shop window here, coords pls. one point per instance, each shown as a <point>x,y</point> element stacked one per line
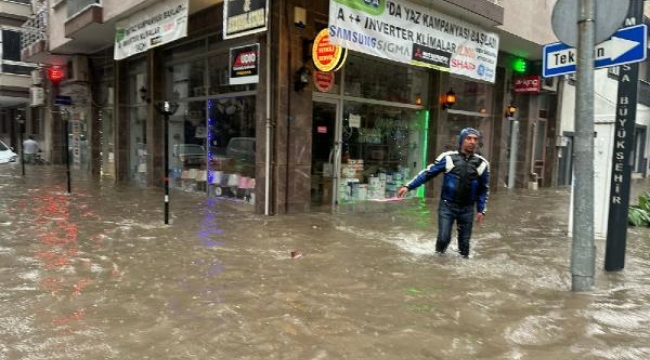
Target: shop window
<point>188,80</point>
<point>373,78</point>
<point>231,127</point>
<point>188,154</point>
<point>186,50</point>
<point>138,136</point>
<point>383,147</point>
<point>213,147</point>
<point>219,70</point>
<point>472,96</point>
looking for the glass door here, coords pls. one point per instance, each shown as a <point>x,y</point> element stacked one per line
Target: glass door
<point>325,152</point>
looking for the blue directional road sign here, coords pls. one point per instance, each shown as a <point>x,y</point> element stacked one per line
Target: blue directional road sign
<point>62,100</point>
<point>627,45</point>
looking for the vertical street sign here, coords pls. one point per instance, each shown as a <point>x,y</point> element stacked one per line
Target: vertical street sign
<point>621,165</point>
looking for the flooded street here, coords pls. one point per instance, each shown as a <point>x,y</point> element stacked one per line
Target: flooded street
<point>97,275</point>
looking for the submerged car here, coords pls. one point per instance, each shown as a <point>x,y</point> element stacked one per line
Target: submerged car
<point>7,155</point>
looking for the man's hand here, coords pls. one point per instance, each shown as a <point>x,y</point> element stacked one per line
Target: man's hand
<point>401,192</point>
<point>479,217</point>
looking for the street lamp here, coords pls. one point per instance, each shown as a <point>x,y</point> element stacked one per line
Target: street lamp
<point>21,129</point>
<point>166,109</point>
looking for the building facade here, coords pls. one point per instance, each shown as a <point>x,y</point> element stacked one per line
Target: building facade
<point>285,136</point>
<point>15,75</point>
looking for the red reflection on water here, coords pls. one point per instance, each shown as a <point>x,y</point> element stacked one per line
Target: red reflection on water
<point>59,239</point>
<point>66,320</point>
<point>79,286</point>
<point>52,259</point>
<point>52,285</point>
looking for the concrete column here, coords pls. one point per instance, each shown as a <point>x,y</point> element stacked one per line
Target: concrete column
<point>121,140</point>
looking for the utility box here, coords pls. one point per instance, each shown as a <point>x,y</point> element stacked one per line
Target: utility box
<point>603,147</point>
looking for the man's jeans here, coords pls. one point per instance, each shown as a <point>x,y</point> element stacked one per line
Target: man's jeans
<point>464,216</point>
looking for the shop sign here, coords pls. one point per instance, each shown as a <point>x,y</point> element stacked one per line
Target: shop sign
<point>161,23</point>
<point>324,80</point>
<point>413,34</point>
<point>327,56</point>
<point>528,85</point>
<point>245,64</point>
<point>244,17</point>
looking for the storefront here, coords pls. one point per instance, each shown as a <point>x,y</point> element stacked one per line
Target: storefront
<point>381,118</point>
<point>332,137</point>
<point>370,130</point>
<point>212,135</point>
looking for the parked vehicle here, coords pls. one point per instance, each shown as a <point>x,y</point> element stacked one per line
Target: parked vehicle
<point>242,149</point>
<point>189,154</point>
<point>7,155</point>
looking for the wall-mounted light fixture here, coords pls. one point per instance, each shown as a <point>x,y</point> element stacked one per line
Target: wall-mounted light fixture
<point>449,99</point>
<point>143,95</point>
<point>511,110</point>
<point>418,99</point>
<point>299,17</point>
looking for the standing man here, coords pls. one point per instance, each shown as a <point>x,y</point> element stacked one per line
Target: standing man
<point>30,148</point>
<point>464,185</point>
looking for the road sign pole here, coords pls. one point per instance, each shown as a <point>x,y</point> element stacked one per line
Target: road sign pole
<point>512,166</point>
<point>583,252</point>
<point>619,198</point>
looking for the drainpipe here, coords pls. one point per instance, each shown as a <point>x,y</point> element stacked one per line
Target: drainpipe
<point>267,164</point>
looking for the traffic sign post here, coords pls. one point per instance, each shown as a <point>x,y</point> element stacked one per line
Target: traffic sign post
<point>619,200</point>
<point>627,45</point>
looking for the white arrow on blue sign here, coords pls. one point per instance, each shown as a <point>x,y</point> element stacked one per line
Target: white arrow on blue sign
<point>627,45</point>
<point>63,100</point>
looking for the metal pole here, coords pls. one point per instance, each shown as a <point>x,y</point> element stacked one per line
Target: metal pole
<point>166,167</point>
<point>22,152</point>
<point>514,140</point>
<point>267,139</point>
<point>583,252</point>
<point>66,150</point>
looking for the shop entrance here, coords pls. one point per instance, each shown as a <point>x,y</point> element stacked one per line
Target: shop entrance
<point>325,153</point>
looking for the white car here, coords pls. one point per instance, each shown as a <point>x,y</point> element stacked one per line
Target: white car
<point>6,154</point>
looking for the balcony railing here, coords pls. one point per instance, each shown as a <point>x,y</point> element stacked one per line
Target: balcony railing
<point>77,6</point>
<point>34,29</point>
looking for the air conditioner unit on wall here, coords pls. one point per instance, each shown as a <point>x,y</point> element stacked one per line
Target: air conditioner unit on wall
<point>549,84</point>
<point>78,68</point>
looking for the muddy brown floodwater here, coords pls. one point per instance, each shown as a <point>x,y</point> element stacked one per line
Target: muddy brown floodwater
<point>96,275</point>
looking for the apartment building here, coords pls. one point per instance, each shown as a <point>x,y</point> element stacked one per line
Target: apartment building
<point>262,121</point>
<point>15,75</point>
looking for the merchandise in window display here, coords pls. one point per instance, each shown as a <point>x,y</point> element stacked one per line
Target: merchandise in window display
<point>379,186</point>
